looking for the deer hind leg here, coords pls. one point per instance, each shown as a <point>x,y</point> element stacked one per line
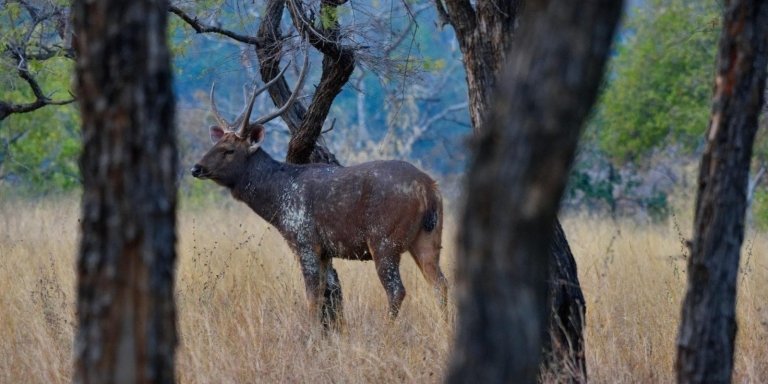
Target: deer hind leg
<point>388,268</point>
<point>426,253</point>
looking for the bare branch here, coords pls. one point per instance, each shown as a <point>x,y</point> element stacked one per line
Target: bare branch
<point>325,40</point>
<point>333,125</point>
<point>48,52</point>
<point>199,27</point>
<point>442,114</point>
<point>7,109</point>
<point>754,182</point>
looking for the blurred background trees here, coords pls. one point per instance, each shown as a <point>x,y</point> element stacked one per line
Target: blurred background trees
<point>407,99</point>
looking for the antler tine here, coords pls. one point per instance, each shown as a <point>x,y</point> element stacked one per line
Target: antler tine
<point>242,120</point>
<point>216,115</point>
<point>293,96</point>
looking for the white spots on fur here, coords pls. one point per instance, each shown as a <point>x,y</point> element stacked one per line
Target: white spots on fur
<point>405,188</point>
<point>295,220</point>
<point>310,263</point>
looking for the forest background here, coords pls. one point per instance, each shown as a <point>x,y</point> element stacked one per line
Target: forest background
<point>627,210</point>
<point>637,158</point>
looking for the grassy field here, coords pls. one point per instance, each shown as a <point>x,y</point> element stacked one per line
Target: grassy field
<point>241,304</point>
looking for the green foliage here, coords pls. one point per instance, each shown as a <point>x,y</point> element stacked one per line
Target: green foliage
<point>329,16</point>
<point>433,65</point>
<point>760,209</point>
<point>659,89</point>
<point>39,150</point>
<point>597,185</point>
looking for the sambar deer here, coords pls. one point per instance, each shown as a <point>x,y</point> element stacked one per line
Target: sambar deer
<point>371,211</point>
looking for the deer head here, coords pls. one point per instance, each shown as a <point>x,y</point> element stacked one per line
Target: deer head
<point>234,142</point>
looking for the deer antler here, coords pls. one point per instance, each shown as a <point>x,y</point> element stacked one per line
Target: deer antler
<point>294,94</point>
<point>246,116</point>
<point>221,121</point>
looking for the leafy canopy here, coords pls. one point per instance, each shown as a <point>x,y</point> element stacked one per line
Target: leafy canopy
<point>660,85</point>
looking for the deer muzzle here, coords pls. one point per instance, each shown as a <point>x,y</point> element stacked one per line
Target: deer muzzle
<point>198,171</point>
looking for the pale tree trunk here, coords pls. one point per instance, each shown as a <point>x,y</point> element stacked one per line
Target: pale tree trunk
<point>515,182</point>
<point>125,308</point>
<point>708,326</point>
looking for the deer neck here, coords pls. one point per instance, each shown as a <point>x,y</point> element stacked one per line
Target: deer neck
<point>264,183</point>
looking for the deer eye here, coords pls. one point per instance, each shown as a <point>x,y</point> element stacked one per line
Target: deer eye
<point>229,151</point>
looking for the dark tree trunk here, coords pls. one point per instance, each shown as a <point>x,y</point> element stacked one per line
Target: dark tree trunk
<point>520,167</point>
<point>708,326</point>
<point>125,307</point>
<point>564,348</point>
<point>485,33</point>
<point>305,123</point>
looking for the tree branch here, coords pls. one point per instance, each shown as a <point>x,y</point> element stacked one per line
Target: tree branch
<point>8,108</point>
<point>199,27</point>
<point>461,16</point>
<point>338,65</point>
<point>325,40</point>
<point>442,114</point>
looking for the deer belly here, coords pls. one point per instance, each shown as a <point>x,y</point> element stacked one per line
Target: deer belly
<point>342,250</point>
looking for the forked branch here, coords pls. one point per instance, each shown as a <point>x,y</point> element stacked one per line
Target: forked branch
<point>338,64</point>
<point>41,99</point>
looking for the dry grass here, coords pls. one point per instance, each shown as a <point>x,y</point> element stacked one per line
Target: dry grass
<point>241,304</point>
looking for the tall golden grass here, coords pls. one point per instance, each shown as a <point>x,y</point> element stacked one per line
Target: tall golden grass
<point>242,317</point>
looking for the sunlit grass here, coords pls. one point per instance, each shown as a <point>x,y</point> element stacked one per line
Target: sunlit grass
<point>242,307</point>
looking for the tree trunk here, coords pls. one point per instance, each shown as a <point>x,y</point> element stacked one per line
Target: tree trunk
<point>305,123</point>
<point>564,348</point>
<point>708,326</point>
<point>125,307</point>
<point>485,33</point>
<point>520,167</point>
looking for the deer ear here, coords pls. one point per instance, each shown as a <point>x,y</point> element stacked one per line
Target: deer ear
<point>256,137</point>
<point>216,133</point>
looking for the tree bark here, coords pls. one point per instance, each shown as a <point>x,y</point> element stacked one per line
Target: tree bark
<point>486,33</point>
<point>515,182</point>
<point>125,307</point>
<point>708,326</point>
<point>305,123</point>
<point>564,346</point>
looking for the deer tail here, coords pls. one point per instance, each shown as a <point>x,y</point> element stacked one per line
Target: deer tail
<point>434,209</point>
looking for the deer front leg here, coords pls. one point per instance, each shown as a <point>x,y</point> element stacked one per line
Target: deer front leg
<point>314,271</point>
<point>333,307</point>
